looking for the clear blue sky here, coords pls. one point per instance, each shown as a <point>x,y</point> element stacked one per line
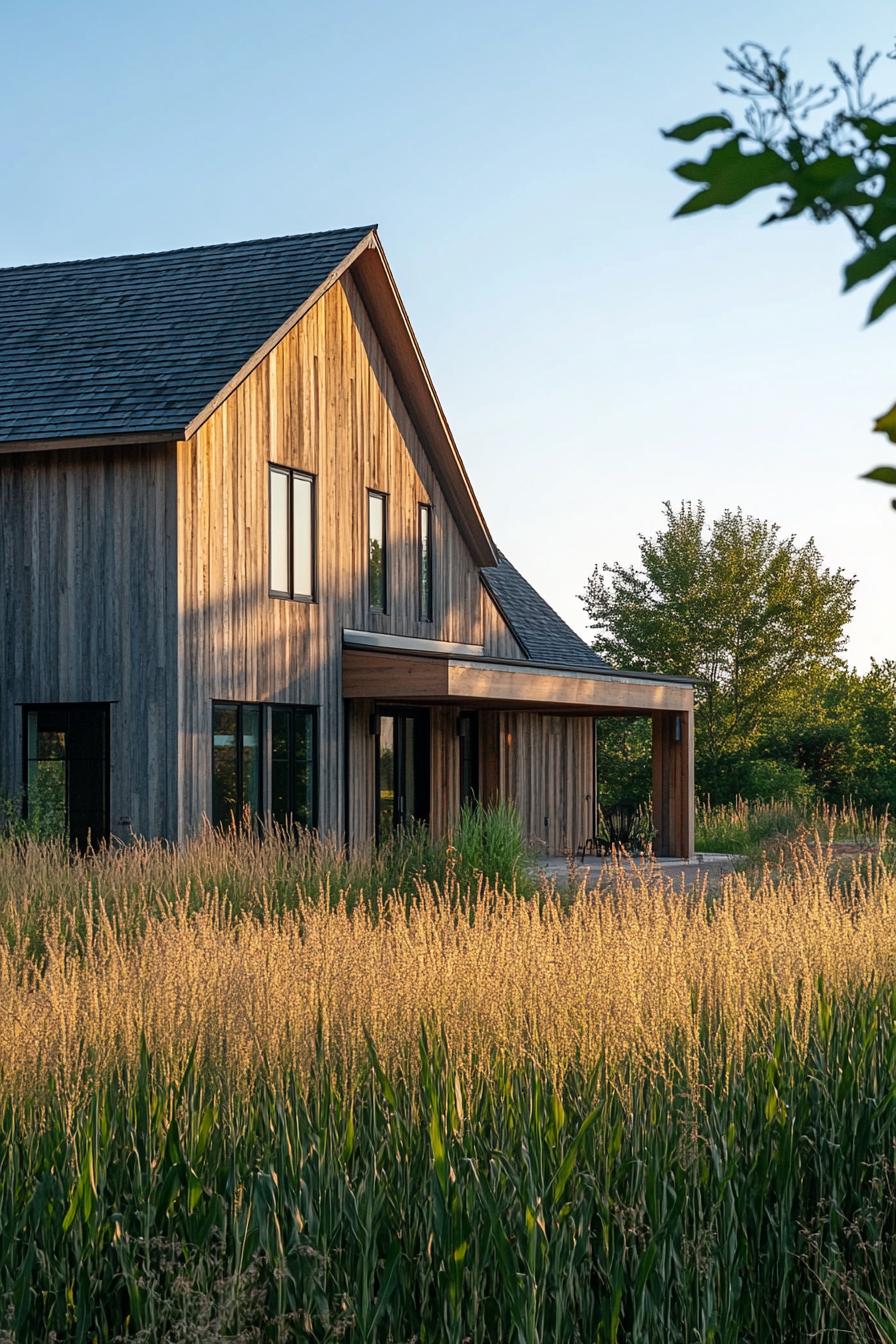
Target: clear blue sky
<point>593,356</point>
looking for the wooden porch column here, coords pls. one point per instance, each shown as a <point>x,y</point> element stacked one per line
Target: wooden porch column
<point>673,783</point>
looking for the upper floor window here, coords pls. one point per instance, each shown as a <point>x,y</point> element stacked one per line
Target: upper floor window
<point>376,550</point>
<point>292,540</point>
<point>424,561</point>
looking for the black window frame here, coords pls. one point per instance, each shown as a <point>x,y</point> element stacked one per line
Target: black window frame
<point>425,601</point>
<point>314,712</point>
<point>371,605</point>
<point>66,708</point>
<point>422,763</point>
<point>291,474</point>
<point>239,706</point>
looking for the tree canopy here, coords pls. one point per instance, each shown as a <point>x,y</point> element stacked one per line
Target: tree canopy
<point>829,149</point>
<point>750,613</point>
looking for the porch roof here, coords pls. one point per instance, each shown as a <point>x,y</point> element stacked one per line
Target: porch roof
<point>457,677</point>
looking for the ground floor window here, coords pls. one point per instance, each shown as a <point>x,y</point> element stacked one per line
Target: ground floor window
<point>236,763</point>
<point>293,765</point>
<point>66,758</point>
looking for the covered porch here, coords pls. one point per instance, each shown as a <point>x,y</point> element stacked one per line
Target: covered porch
<point>508,729</point>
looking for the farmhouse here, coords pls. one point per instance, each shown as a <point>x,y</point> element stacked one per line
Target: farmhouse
<point>242,567</point>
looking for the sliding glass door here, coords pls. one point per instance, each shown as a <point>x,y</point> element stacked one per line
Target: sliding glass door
<point>402,769</point>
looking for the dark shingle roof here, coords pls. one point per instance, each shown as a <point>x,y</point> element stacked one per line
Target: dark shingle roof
<point>137,344</point>
<point>545,637</point>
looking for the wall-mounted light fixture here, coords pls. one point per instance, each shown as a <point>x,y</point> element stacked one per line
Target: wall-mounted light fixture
<point>676,728</point>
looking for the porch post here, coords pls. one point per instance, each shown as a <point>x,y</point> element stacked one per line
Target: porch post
<point>673,783</point>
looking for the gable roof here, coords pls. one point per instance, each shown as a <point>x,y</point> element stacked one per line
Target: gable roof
<point>140,344</point>
<point>128,349</point>
<point>542,634</point>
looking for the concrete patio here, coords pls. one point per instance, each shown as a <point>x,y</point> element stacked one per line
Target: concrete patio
<point>596,868</point>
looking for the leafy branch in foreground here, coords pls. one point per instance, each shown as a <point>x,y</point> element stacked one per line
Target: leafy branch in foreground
<point>830,149</point>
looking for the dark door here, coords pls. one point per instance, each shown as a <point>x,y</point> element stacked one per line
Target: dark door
<point>402,769</point>
<point>67,771</point>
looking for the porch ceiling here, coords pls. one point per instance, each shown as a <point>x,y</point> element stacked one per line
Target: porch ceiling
<point>380,675</point>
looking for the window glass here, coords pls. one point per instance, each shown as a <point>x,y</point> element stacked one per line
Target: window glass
<point>302,537</point>
<point>225,774</point>
<point>46,775</point>
<point>425,562</point>
<point>292,533</point>
<point>279,538</point>
<point>236,762</point>
<point>386,777</point>
<point>304,770</point>
<point>293,766</point>
<point>468,731</point>
<point>251,754</point>
<point>280,767</point>
<point>376,555</point>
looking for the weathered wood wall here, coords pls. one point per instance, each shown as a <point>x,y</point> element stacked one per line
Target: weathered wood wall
<point>324,401</point>
<point>88,593</point>
<point>544,764</point>
<point>497,637</point>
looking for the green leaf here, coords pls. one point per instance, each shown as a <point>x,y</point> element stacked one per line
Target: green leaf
<point>886,475</point>
<point>868,264</point>
<point>692,130</point>
<point>886,424</point>
<point>885,300</point>
<point>564,1171</point>
<point>730,175</point>
<point>873,129</point>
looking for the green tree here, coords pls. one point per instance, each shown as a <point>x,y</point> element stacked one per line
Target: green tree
<point>840,731</point>
<point>746,611</point>
<point>830,151</point>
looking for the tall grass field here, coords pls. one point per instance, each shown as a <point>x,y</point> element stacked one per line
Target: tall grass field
<point>257,1090</point>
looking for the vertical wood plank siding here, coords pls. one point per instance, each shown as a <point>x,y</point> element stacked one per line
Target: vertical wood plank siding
<point>496,634</point>
<point>673,784</point>
<point>324,401</point>
<point>88,594</point>
<point>544,764</point>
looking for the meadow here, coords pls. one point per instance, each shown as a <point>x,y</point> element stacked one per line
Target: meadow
<point>257,1090</point>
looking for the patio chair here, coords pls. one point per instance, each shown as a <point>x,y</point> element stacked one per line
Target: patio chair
<point>616,829</point>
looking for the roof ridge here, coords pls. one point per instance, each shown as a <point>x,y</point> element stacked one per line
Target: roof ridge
<point>192,248</point>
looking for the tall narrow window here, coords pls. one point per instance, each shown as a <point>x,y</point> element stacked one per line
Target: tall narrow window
<point>236,763</point>
<point>292,542</point>
<point>293,765</point>
<point>376,550</point>
<point>424,561</point>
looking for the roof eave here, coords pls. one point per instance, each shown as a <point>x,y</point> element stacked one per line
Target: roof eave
<point>91,441</point>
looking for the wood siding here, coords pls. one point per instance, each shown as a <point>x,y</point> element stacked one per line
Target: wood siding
<point>498,638</point>
<point>88,612</point>
<point>544,765</point>
<point>323,401</point>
